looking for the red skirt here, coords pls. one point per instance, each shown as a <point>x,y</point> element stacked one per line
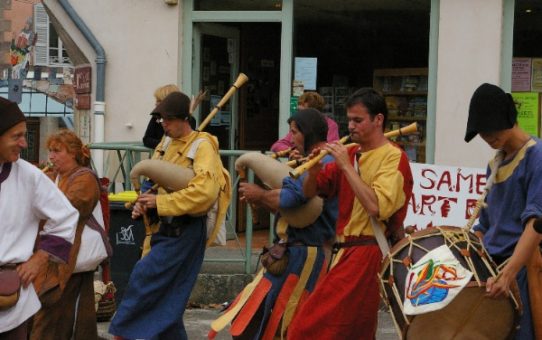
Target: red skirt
<point>345,303</point>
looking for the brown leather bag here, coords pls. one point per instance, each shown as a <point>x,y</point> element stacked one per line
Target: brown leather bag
<point>10,287</point>
<point>275,258</point>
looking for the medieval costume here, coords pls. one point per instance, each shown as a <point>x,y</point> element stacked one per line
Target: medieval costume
<point>69,311</point>
<point>160,283</point>
<point>515,198</point>
<point>27,197</point>
<point>267,305</point>
<point>345,303</point>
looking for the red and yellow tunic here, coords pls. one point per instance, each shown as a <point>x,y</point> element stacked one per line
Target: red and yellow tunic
<point>345,304</point>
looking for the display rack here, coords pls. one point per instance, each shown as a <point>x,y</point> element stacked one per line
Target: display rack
<point>405,91</point>
<point>335,97</point>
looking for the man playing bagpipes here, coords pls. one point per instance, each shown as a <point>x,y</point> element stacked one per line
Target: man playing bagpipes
<point>161,282</point>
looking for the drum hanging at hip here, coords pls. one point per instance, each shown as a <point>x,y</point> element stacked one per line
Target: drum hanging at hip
<point>433,282</point>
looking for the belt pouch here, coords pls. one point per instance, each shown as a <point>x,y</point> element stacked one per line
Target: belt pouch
<point>10,287</point>
<point>275,258</point>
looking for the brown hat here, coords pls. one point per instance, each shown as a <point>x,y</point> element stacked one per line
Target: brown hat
<point>491,109</point>
<point>175,105</point>
<point>10,115</point>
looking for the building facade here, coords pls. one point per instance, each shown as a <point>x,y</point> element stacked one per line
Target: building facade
<point>427,56</point>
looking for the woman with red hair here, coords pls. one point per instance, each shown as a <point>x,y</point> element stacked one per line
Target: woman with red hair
<point>67,295</point>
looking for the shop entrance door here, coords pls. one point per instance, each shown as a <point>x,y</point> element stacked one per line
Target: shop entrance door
<point>216,47</point>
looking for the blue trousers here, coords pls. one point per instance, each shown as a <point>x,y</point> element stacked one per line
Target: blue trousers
<point>160,285</point>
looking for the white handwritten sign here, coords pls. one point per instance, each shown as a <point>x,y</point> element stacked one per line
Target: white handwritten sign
<point>443,195</point>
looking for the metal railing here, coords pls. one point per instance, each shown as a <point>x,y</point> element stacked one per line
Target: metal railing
<point>127,154</point>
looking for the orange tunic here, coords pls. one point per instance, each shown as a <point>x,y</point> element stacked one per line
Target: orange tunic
<point>57,285</point>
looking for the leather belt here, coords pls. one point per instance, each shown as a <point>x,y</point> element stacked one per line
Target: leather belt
<point>170,231</point>
<point>351,241</point>
<point>173,226</point>
<point>9,266</point>
<point>301,244</point>
<point>354,242</point>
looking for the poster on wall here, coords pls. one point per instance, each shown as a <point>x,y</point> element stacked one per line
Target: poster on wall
<point>443,195</point>
<point>305,71</point>
<point>521,74</point>
<point>536,77</point>
<point>527,104</point>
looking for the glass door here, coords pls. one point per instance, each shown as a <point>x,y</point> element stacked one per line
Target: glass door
<point>216,48</point>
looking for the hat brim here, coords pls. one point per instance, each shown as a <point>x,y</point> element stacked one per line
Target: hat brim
<point>470,135</point>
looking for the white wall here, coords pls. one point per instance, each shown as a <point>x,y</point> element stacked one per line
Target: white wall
<point>468,55</point>
<point>141,41</point>
<point>141,44</point>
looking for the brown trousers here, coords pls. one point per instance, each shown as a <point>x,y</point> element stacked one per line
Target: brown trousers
<point>69,317</point>
<point>18,333</point>
<point>534,278</point>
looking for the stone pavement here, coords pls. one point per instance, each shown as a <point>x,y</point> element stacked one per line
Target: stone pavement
<point>221,281</point>
<point>197,323</point>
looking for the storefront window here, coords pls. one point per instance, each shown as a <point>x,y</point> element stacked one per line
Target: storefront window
<point>238,5</point>
<point>527,64</point>
<point>367,43</point>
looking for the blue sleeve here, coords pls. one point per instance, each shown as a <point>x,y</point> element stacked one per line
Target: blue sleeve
<point>482,222</point>
<point>533,185</point>
<point>291,194</point>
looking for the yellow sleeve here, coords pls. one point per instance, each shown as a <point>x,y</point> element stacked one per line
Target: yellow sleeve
<point>388,186</point>
<point>201,192</point>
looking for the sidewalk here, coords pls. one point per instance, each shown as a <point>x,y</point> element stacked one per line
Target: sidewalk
<point>198,321</point>
<point>221,281</point>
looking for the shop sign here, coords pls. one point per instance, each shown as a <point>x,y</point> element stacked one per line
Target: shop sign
<point>527,104</point>
<point>536,75</point>
<point>443,195</point>
<point>305,71</point>
<point>82,79</point>
<point>82,101</point>
<point>521,74</point>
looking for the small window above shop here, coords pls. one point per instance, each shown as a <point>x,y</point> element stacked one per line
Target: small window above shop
<point>238,5</point>
<point>38,104</point>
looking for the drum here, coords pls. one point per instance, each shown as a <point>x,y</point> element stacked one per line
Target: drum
<point>442,272</point>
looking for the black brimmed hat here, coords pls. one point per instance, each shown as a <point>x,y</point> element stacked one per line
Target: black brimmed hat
<point>491,109</point>
<point>10,115</point>
<point>175,105</point>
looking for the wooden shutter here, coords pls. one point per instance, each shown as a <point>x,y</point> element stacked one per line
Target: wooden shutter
<point>41,27</point>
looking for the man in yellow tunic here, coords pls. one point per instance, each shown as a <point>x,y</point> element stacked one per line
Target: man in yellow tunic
<point>161,282</point>
<point>372,182</point>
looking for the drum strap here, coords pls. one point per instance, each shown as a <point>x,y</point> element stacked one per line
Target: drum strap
<point>380,237</point>
<point>378,232</point>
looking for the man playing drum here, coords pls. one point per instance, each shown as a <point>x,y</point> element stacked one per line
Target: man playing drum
<point>372,180</point>
<point>161,282</point>
<point>515,199</point>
